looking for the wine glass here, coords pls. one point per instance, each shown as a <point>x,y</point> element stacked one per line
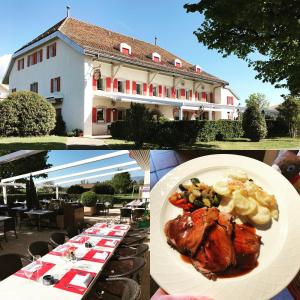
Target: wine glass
<point>38,263</point>
<point>27,272</point>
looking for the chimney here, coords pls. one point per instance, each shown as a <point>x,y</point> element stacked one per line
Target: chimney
<point>155,41</point>
<point>68,11</point>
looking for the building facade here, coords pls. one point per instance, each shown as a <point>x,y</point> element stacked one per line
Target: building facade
<point>4,91</point>
<point>92,75</point>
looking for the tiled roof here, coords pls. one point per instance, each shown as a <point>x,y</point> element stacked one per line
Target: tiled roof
<point>97,39</point>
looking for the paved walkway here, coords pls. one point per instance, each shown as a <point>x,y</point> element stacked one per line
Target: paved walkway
<point>85,142</point>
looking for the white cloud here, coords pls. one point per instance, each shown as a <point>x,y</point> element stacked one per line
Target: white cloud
<point>4,61</point>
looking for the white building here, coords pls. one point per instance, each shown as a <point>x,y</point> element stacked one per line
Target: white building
<point>4,91</point>
<point>91,75</point>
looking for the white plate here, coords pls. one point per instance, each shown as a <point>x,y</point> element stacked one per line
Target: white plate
<point>279,259</point>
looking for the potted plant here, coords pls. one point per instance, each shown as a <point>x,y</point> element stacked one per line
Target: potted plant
<point>89,200</point>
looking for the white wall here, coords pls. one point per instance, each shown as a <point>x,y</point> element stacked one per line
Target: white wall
<point>67,64</point>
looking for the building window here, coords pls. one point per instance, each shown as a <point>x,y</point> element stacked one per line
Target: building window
<point>156,57</point>
<point>120,86</point>
<point>121,115</point>
<point>155,91</point>
<point>13,90</point>
<point>21,64</point>
<point>177,63</point>
<point>177,93</point>
<point>139,89</point>
<point>230,100</point>
<point>34,87</point>
<point>35,58</point>
<point>168,92</point>
<point>101,84</point>
<point>187,94</point>
<point>198,96</point>
<point>51,50</point>
<point>125,49</point>
<point>100,115</point>
<point>55,85</point>
<point>40,56</point>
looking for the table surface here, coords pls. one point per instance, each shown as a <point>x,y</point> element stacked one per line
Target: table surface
<point>14,287</point>
<point>39,212</point>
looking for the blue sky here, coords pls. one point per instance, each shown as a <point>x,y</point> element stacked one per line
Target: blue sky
<point>24,20</point>
<point>57,158</point>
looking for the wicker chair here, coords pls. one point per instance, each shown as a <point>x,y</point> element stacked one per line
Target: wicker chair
<point>129,267</point>
<point>9,225</point>
<point>58,238</point>
<point>136,239</point>
<point>125,213</point>
<point>138,213</point>
<point>124,252</point>
<point>116,289</point>
<point>10,264</point>
<point>39,248</point>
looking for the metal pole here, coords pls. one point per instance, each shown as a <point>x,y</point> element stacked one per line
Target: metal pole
<point>4,193</point>
<point>56,188</point>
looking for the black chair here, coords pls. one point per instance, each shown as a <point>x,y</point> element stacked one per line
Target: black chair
<point>10,264</point>
<point>129,267</point>
<point>124,252</point>
<point>138,213</point>
<point>82,226</point>
<point>116,289</point>
<point>39,248</point>
<point>137,239</point>
<point>101,209</point>
<point>125,213</point>
<point>58,238</point>
<point>9,225</point>
<point>72,231</point>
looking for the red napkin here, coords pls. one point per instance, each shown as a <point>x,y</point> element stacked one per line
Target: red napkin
<point>80,240</point>
<point>116,233</point>
<point>92,230</point>
<point>63,253</point>
<point>100,225</point>
<point>38,273</point>
<point>103,243</point>
<point>64,283</point>
<point>91,253</point>
<point>120,227</point>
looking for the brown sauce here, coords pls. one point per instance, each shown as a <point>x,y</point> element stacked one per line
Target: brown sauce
<point>235,272</point>
<point>186,259</point>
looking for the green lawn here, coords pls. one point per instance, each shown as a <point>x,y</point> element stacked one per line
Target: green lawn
<point>245,144</point>
<point>36,143</point>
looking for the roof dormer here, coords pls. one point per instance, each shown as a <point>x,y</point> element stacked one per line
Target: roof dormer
<point>125,49</point>
<point>177,63</point>
<point>198,69</point>
<point>156,57</point>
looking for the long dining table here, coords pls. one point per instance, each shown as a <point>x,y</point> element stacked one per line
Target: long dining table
<point>75,266</point>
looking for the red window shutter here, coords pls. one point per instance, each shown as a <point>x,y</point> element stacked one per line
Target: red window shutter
<point>151,90</point>
<point>94,115</point>
<point>28,60</point>
<point>115,115</point>
<point>58,84</point>
<point>108,115</point>
<point>203,96</point>
<point>228,100</point>
<point>232,100</point>
<point>52,85</point>
<point>173,93</point>
<point>156,59</point>
<point>115,85</point>
<point>41,55</point>
<point>211,97</point>
<point>133,87</point>
<point>196,95</point>
<point>18,65</point>
<point>48,52</point>
<point>182,93</point>
<point>145,88</point>
<point>108,84</point>
<point>178,65</point>
<point>160,91</point>
<point>94,84</point>
<point>191,94</point>
<point>35,58</point>
<point>54,49</point>
<point>127,86</point>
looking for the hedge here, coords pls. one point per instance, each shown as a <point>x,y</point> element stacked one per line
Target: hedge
<point>173,133</point>
<point>26,114</point>
<point>277,128</point>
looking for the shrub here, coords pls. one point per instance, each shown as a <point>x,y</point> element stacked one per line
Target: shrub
<point>77,132</point>
<point>277,128</point>
<point>88,199</point>
<point>103,188</point>
<point>254,124</point>
<point>26,114</point>
<point>227,129</point>
<point>75,189</point>
<point>60,126</point>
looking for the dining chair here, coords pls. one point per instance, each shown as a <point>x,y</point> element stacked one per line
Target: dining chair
<point>138,213</point>
<point>9,225</point>
<point>125,212</point>
<point>124,252</point>
<point>11,263</point>
<point>39,248</point>
<point>129,267</point>
<point>137,239</point>
<point>116,289</point>
<point>58,238</point>
<point>72,231</point>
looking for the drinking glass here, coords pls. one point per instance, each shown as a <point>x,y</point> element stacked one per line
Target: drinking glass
<point>38,262</point>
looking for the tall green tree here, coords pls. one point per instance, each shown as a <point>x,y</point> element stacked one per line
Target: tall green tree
<point>28,164</point>
<point>289,113</point>
<point>270,28</point>
<point>122,182</point>
<point>258,99</point>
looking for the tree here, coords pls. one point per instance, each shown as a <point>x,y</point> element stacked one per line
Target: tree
<point>254,123</point>
<point>121,182</point>
<point>28,164</point>
<point>289,113</point>
<point>258,99</point>
<point>75,189</point>
<point>270,28</point>
<point>103,188</point>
